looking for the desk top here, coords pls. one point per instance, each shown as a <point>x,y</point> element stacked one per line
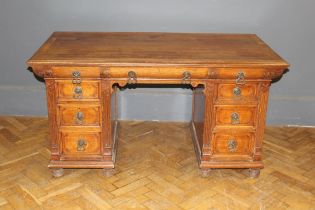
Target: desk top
<point>151,48</point>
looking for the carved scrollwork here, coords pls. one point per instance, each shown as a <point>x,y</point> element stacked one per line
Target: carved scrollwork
<point>195,84</point>
<point>265,86</point>
<point>104,72</point>
<point>54,148</point>
<point>50,86</point>
<point>49,74</point>
<point>212,74</point>
<point>121,83</point>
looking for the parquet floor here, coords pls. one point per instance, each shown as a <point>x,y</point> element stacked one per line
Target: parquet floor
<point>156,169</point>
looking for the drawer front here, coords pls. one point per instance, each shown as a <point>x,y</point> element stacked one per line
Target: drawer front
<point>247,73</point>
<point>159,72</point>
<point>80,143</point>
<point>233,144</point>
<point>246,91</point>
<point>72,71</point>
<point>66,90</point>
<point>79,115</point>
<point>235,115</point>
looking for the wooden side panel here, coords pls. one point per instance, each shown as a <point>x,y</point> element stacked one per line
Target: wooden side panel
<point>114,108</point>
<point>106,136</point>
<point>210,90</point>
<point>52,118</point>
<point>262,110</point>
<point>199,113</point>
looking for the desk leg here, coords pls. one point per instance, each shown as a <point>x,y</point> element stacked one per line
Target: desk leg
<point>205,172</point>
<point>108,172</point>
<point>254,172</point>
<point>57,172</point>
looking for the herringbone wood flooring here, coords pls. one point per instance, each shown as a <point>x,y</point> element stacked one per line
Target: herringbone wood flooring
<point>156,169</point>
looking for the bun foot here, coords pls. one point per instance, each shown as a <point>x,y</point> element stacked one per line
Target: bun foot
<point>254,172</point>
<point>205,172</point>
<point>58,172</point>
<point>108,172</point>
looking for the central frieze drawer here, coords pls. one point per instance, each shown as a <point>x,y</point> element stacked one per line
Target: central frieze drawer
<point>159,72</point>
<point>79,115</point>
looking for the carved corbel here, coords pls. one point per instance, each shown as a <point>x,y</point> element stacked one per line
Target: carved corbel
<point>37,70</point>
<point>41,71</point>
<point>273,74</point>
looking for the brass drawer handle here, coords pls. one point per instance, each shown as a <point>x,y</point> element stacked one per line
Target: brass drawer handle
<point>76,74</point>
<point>232,145</point>
<point>240,78</point>
<point>81,145</point>
<point>237,91</point>
<point>235,118</point>
<point>76,77</point>
<point>79,117</point>
<point>77,92</point>
<point>132,77</point>
<point>186,77</point>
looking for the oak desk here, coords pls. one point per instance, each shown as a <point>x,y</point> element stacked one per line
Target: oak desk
<point>230,75</point>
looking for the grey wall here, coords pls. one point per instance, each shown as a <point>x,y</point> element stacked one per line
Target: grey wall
<point>287,25</point>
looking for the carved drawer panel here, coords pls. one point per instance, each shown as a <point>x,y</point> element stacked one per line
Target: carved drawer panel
<point>80,72</point>
<point>237,144</point>
<point>235,115</point>
<point>159,72</point>
<point>242,92</point>
<point>79,115</point>
<point>66,90</point>
<point>246,73</point>
<point>80,144</point>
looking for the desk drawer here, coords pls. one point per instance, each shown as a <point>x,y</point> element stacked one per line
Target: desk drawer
<point>235,115</point>
<point>159,72</point>
<point>242,92</point>
<point>233,144</point>
<point>245,73</point>
<point>80,144</point>
<point>79,115</point>
<point>72,71</point>
<point>66,90</point>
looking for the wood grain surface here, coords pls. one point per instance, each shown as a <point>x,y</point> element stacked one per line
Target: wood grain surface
<point>155,48</point>
<point>230,75</point>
